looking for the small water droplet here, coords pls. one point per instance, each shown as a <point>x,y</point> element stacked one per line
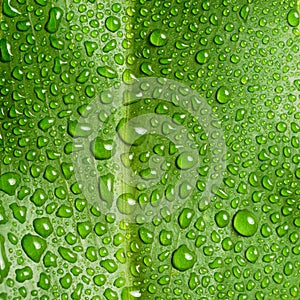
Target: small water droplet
<point>24,274</point>
<point>102,149</point>
<point>222,218</point>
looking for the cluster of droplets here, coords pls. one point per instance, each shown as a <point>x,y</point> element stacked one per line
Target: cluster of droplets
<point>53,60</point>
<point>242,58</point>
<point>249,249</point>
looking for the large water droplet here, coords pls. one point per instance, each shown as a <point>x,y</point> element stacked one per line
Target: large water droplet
<point>202,57</point>
<point>112,23</point>
<point>55,16</point>
<point>33,246</point>
<point>293,17</point>
<point>126,204</point>
<point>183,258</point>
<point>9,182</point>
<point>223,95</point>
<point>102,149</point>
<point>158,38</point>
<point>185,161</point>
<point>245,223</point>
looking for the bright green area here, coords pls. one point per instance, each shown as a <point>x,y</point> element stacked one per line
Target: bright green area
<point>164,236</point>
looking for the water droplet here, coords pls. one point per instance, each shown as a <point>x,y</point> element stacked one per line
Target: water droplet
<point>158,38</point>
<point>293,17</point>
<point>50,259</point>
<point>281,127</point>
<point>288,268</point>
<point>222,218</point>
<point>185,217</point>
<point>126,204</point>
<point>55,16</point>
<point>33,246</point>
<point>244,12</point>
<point>46,123</point>
<point>9,182</point>
<point>106,188</point>
<point>202,56</point>
<point>109,265</point>
<point>24,274</point>
<point>44,281</point>
<point>252,254</point>
<point>23,25</point>
<point>102,149</point>
<point>245,223</point>
<point>146,235</point>
<point>19,212</point>
<point>165,237</point>
<point>4,263</point>
<point>66,281</point>
<point>9,10</point>
<point>185,161</point>
<point>111,45</point>
<point>67,254</point>
<point>43,226</point>
<point>267,183</point>
<point>83,76</point>
<point>107,72</point>
<point>50,174</point>
<point>131,134</point>
<point>90,48</point>
<point>223,95</point>
<point>183,258</point>
<point>112,23</point>
<point>84,229</point>
<point>100,279</point>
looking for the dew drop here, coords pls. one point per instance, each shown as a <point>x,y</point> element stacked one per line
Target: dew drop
<point>185,161</point>
<point>33,246</point>
<point>107,72</point>
<point>202,57</point>
<point>55,16</point>
<point>9,10</point>
<point>245,223</point>
<point>183,258</point>
<point>9,182</point>
<point>126,204</point>
<point>158,38</point>
<point>102,149</point>
<point>222,218</point>
<point>293,17</point>
<point>112,23</point>
<point>252,254</point>
<point>223,95</point>
<point>24,274</point>
<point>4,263</point>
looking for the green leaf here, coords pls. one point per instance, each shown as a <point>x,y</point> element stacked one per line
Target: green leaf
<point>149,150</point>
